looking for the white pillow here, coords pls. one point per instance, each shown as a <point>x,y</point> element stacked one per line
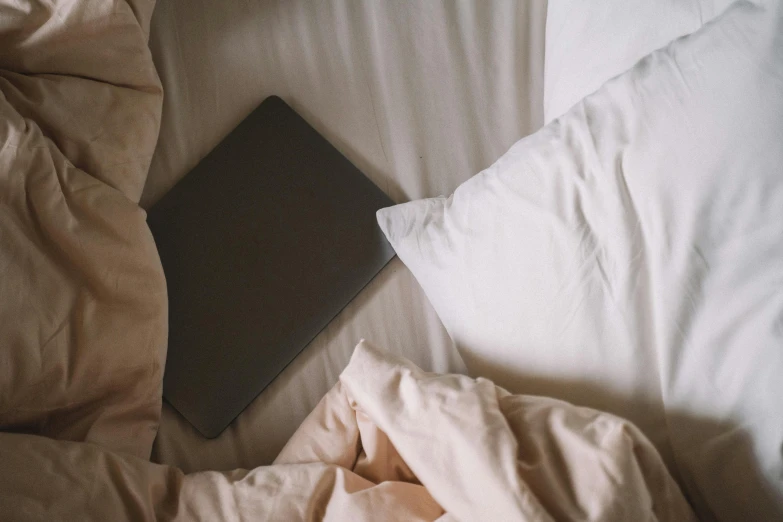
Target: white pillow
<point>629,257</point>
<point>588,43</point>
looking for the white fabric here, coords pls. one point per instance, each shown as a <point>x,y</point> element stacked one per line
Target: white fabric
<point>418,95</point>
<point>629,257</point>
<point>588,43</point>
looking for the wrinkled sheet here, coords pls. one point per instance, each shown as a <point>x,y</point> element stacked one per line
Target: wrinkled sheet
<point>388,442</point>
<point>82,293</point>
<point>418,95</point>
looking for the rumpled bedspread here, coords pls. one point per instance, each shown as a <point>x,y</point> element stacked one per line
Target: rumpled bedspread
<point>388,442</point>
<point>83,340</point>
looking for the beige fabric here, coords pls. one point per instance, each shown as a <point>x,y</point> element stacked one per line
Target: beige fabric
<point>419,95</point>
<point>388,442</point>
<point>82,295</point>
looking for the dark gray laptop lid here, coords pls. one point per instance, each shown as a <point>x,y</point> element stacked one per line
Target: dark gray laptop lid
<point>262,244</point>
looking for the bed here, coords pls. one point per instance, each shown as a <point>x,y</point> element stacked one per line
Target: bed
<point>616,258</point>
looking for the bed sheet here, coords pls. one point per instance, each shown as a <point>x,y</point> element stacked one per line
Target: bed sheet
<point>418,95</point>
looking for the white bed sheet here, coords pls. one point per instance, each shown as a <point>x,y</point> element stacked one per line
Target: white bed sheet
<point>419,95</point>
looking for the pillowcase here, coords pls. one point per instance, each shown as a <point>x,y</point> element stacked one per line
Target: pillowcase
<point>587,43</point>
<point>628,257</point>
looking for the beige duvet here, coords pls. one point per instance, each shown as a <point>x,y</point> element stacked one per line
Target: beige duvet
<point>83,341</point>
<point>388,442</point>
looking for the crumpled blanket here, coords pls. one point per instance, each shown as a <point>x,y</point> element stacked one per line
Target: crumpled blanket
<point>388,442</point>
<point>83,339</point>
<point>82,294</point>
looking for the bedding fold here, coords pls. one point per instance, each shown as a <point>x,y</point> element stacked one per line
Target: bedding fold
<point>388,442</point>
<point>83,307</point>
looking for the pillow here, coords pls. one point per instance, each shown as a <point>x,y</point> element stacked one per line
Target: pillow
<point>587,43</point>
<point>628,257</point>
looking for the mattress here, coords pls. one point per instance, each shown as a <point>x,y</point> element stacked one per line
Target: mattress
<point>418,95</point>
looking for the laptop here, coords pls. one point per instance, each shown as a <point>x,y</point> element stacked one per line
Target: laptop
<point>263,243</point>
